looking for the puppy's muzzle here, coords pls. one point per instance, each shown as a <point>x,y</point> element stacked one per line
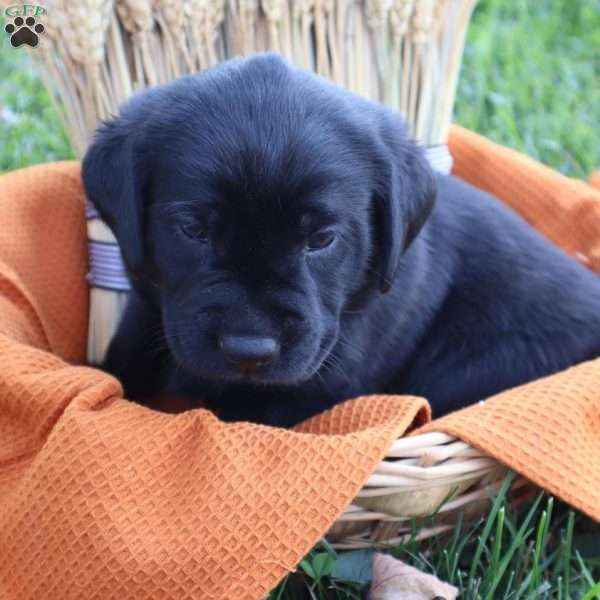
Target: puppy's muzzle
<point>248,352</point>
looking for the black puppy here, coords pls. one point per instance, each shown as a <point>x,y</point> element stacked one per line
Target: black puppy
<point>285,254</point>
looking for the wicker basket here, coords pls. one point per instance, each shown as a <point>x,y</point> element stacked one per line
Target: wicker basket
<point>421,476</point>
<point>406,54</point>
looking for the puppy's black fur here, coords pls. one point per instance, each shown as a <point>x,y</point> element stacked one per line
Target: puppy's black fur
<point>256,199</point>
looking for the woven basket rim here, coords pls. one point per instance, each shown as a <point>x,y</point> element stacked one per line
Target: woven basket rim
<point>420,475</point>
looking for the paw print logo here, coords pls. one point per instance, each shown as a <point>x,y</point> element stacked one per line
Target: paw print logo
<point>24,31</point>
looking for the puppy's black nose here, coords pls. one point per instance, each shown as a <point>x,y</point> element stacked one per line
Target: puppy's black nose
<point>248,352</point>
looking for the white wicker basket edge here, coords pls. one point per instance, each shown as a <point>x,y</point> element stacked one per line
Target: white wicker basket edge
<point>420,476</point>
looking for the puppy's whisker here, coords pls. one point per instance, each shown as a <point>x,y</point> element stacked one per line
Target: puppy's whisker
<point>179,366</point>
<point>360,351</point>
<point>332,361</point>
<point>321,378</point>
<point>151,281</point>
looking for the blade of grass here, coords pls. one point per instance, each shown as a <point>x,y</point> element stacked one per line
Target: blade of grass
<point>568,549</point>
<point>452,550</point>
<point>540,544</point>
<point>593,593</point>
<point>584,570</point>
<point>509,583</point>
<point>328,548</point>
<point>465,540</point>
<point>522,534</point>
<point>497,541</point>
<point>559,588</point>
<point>497,504</point>
<point>280,589</point>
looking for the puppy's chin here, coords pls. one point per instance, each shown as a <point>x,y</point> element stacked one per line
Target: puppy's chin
<point>258,376</point>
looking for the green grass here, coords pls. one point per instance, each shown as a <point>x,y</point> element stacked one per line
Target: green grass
<point>531,81</point>
<point>531,77</point>
<point>31,131</point>
<point>541,552</point>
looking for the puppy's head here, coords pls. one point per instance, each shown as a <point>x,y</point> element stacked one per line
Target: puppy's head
<point>254,203</point>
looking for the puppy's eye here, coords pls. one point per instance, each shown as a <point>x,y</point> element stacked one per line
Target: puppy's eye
<point>320,240</point>
<point>194,231</point>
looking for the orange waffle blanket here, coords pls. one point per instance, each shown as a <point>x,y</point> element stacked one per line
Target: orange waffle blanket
<point>101,498</point>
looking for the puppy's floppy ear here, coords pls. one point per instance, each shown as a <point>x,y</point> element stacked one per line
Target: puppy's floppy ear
<point>112,175</point>
<point>406,197</point>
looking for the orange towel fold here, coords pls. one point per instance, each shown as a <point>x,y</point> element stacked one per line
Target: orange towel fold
<point>103,498</point>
